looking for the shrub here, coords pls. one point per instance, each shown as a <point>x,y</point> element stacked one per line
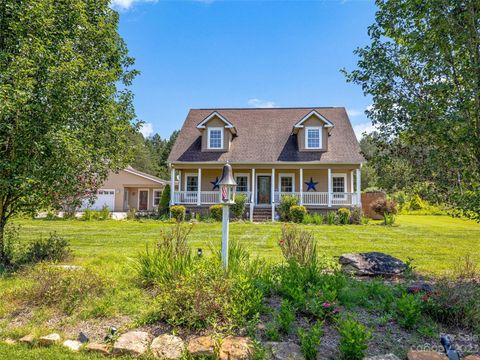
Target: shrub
<point>55,248</point>
<point>297,245</point>
<point>285,317</point>
<point>383,206</point>
<point>206,296</point>
<point>354,338</point>
<point>169,259</point>
<point>89,215</point>
<point>238,209</point>
<point>163,205</point>
<point>408,311</point>
<point>104,214</point>
<point>331,218</point>
<point>309,340</point>
<point>388,219</point>
<point>455,303</point>
<point>216,212</point>
<point>271,331</point>
<point>131,214</point>
<point>286,202</point>
<point>297,212</point>
<point>178,212</point>
<point>356,217</point>
<point>416,203</point>
<point>343,216</point>
<point>61,288</point>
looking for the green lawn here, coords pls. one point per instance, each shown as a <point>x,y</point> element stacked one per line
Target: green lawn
<point>434,242</point>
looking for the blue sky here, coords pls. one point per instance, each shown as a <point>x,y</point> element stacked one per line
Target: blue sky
<point>207,53</point>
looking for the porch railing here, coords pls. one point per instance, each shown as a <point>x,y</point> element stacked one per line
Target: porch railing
<point>307,198</point>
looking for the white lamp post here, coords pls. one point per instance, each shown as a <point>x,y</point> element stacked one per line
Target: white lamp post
<point>227,197</point>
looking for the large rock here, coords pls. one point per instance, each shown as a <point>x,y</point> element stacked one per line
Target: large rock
<point>9,341</point>
<point>103,349</point>
<point>472,357</point>
<point>50,339</point>
<point>73,345</point>
<point>132,343</point>
<point>236,348</point>
<point>285,351</point>
<point>383,357</point>
<point>426,355</point>
<point>167,347</point>
<point>27,339</point>
<point>420,286</point>
<point>201,346</point>
<point>371,264</point>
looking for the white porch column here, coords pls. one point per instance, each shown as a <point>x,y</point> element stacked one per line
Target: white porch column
<point>352,190</point>
<point>273,194</point>
<point>179,180</point>
<point>252,195</point>
<point>172,186</point>
<point>301,186</point>
<point>329,187</point>
<point>359,185</point>
<point>199,187</point>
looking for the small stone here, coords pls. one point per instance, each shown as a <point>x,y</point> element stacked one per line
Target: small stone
<point>201,346</point>
<point>98,348</point>
<point>426,355</point>
<point>73,345</point>
<point>168,347</point>
<point>50,339</point>
<point>285,351</point>
<point>132,343</point>
<point>236,348</point>
<point>9,341</point>
<point>372,264</point>
<point>83,338</point>
<point>27,339</point>
<point>383,357</point>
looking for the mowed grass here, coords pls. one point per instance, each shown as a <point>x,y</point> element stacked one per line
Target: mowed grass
<point>436,243</point>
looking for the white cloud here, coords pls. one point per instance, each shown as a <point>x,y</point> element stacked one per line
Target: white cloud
<point>126,4</point>
<point>147,129</point>
<point>258,103</point>
<point>361,128</point>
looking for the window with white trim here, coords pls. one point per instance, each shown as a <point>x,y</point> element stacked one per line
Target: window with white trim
<point>242,183</point>
<point>215,138</point>
<point>313,137</point>
<point>191,183</point>
<point>286,183</point>
<point>157,195</point>
<point>338,185</point>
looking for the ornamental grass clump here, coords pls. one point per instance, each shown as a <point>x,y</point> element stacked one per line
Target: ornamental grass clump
<point>171,257</point>
<point>297,245</point>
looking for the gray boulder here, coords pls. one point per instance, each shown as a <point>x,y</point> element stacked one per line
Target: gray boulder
<point>132,343</point>
<point>167,347</point>
<point>372,264</point>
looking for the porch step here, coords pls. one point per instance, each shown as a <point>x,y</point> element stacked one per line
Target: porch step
<point>262,214</point>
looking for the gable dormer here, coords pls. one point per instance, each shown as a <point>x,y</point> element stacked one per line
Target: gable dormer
<point>312,132</point>
<point>216,133</point>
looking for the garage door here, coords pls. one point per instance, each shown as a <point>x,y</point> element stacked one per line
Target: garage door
<point>104,197</point>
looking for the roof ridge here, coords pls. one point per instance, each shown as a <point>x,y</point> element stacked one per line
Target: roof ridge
<point>274,108</point>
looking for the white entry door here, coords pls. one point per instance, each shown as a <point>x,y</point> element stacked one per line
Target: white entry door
<point>104,197</point>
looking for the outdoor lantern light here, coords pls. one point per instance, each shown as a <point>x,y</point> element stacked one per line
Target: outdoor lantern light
<point>199,252</point>
<point>227,197</point>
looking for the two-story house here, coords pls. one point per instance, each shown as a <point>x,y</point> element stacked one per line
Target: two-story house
<point>311,153</point>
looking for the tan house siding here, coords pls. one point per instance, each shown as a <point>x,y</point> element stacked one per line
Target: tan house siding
<point>227,135</point>
<point>312,121</point>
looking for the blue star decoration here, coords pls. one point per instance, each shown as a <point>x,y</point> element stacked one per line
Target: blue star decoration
<point>311,185</point>
<point>215,184</point>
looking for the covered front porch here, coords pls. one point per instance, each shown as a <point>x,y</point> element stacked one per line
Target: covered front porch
<point>319,186</point>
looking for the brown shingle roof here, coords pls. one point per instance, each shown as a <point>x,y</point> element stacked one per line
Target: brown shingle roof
<point>265,135</point>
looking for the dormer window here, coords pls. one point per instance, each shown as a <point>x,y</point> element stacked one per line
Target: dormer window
<point>215,138</point>
<point>313,137</point>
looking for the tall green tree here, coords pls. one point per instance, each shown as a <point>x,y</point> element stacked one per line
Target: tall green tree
<point>65,107</point>
<point>422,70</point>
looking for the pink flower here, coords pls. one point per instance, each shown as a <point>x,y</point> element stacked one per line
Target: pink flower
<point>327,304</point>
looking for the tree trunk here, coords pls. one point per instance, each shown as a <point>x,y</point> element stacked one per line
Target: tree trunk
<point>4,258</point>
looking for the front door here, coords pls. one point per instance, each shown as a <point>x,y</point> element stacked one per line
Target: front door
<point>264,190</point>
<point>143,200</point>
